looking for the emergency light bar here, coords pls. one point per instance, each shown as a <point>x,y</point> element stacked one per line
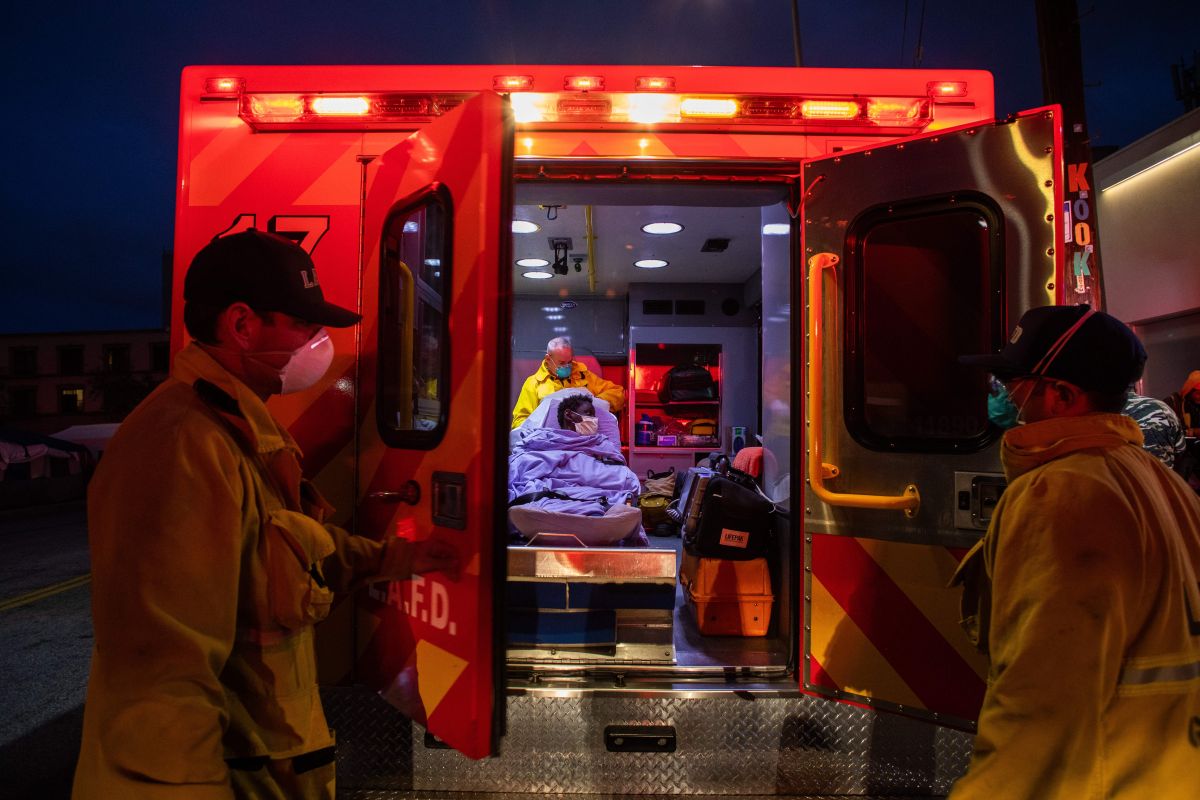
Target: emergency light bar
<point>663,108</point>
<point>283,111</point>
<point>291,111</point>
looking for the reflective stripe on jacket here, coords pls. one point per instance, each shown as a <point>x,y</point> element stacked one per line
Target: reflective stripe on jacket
<point>210,564</point>
<point>1088,610</point>
<point>542,384</point>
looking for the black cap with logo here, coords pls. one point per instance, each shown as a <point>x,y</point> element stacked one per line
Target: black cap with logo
<point>1093,350</point>
<point>266,272</point>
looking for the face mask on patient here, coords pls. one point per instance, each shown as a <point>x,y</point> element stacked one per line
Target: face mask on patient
<point>582,424</point>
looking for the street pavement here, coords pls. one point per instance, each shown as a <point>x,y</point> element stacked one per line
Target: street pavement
<point>45,649</point>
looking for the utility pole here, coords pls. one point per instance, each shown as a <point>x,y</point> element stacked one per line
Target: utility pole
<point>796,33</point>
<point>1062,84</point>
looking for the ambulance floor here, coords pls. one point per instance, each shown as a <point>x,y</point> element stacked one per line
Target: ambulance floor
<point>694,650</point>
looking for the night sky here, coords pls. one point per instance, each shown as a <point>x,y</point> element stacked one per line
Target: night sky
<point>92,94</point>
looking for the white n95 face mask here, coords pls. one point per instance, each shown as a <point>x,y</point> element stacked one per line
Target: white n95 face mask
<point>587,426</point>
<point>308,364</point>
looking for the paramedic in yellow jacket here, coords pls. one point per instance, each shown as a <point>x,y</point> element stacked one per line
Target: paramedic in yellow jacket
<point>559,370</point>
<point>211,560</point>
<point>1084,590</point>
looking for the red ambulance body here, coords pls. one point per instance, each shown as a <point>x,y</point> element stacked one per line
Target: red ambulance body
<point>875,223</point>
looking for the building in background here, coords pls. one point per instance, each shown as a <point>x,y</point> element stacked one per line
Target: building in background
<point>50,381</point>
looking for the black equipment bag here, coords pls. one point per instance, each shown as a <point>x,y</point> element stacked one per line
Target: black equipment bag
<point>686,383</point>
<point>732,520</point>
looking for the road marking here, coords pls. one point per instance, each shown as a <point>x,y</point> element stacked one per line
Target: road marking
<point>44,592</point>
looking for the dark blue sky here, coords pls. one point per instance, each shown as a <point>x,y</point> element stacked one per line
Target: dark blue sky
<point>92,94</point>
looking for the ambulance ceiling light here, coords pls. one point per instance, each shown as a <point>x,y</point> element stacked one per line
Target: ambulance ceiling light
<point>662,228</point>
<point>537,274</point>
<point>411,226</point>
<point>525,226</point>
<point>532,262</point>
<point>776,229</point>
<point>946,88</point>
<point>651,263</point>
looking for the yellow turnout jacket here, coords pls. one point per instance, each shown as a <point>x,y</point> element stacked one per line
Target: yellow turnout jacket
<point>1089,608</point>
<point>542,383</point>
<point>211,561</point>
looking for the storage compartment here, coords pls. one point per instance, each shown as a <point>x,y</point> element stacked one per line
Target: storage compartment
<point>729,598</point>
<point>677,391</point>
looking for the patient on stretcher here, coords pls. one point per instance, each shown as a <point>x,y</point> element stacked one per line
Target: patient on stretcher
<point>566,476</point>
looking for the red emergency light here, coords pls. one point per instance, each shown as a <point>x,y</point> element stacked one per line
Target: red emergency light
<point>947,88</point>
<point>405,110</point>
<point>512,83</point>
<point>342,106</point>
<point>653,84</point>
<point>280,110</point>
<point>224,85</point>
<point>830,109</point>
<point>584,83</point>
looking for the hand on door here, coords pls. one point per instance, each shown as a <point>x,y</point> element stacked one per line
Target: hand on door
<point>434,555</point>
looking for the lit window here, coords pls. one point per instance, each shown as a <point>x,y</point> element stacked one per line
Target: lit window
<point>414,369</point>
<point>70,399</point>
<point>905,390</point>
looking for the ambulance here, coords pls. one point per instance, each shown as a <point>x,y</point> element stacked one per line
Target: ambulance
<point>824,242</point>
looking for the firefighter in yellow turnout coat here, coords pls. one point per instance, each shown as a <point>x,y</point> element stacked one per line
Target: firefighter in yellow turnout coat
<point>211,560</point>
<point>558,371</point>
<point>1084,591</point>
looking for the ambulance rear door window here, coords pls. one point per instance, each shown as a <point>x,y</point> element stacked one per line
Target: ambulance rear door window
<point>924,281</point>
<point>414,366</point>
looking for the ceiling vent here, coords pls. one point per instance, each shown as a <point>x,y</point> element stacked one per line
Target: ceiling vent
<point>714,246</point>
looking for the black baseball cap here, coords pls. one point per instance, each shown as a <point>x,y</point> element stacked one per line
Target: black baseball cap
<point>266,272</point>
<point>1093,350</point>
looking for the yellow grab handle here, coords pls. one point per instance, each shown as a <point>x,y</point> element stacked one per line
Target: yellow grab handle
<point>818,470</point>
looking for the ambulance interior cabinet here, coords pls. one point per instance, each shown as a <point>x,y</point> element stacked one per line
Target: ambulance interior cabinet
<point>687,424</point>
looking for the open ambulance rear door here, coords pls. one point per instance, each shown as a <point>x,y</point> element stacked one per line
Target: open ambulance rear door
<point>914,252</point>
<point>434,355</point>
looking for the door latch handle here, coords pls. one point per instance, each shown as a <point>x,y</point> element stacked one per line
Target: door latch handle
<point>411,494</point>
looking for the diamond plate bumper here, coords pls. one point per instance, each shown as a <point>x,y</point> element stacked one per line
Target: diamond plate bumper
<point>743,745</point>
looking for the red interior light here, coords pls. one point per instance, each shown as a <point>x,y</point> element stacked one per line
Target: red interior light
<point>654,84</point>
<point>584,83</point>
<point>512,83</point>
<point>224,85</point>
<point>947,88</point>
